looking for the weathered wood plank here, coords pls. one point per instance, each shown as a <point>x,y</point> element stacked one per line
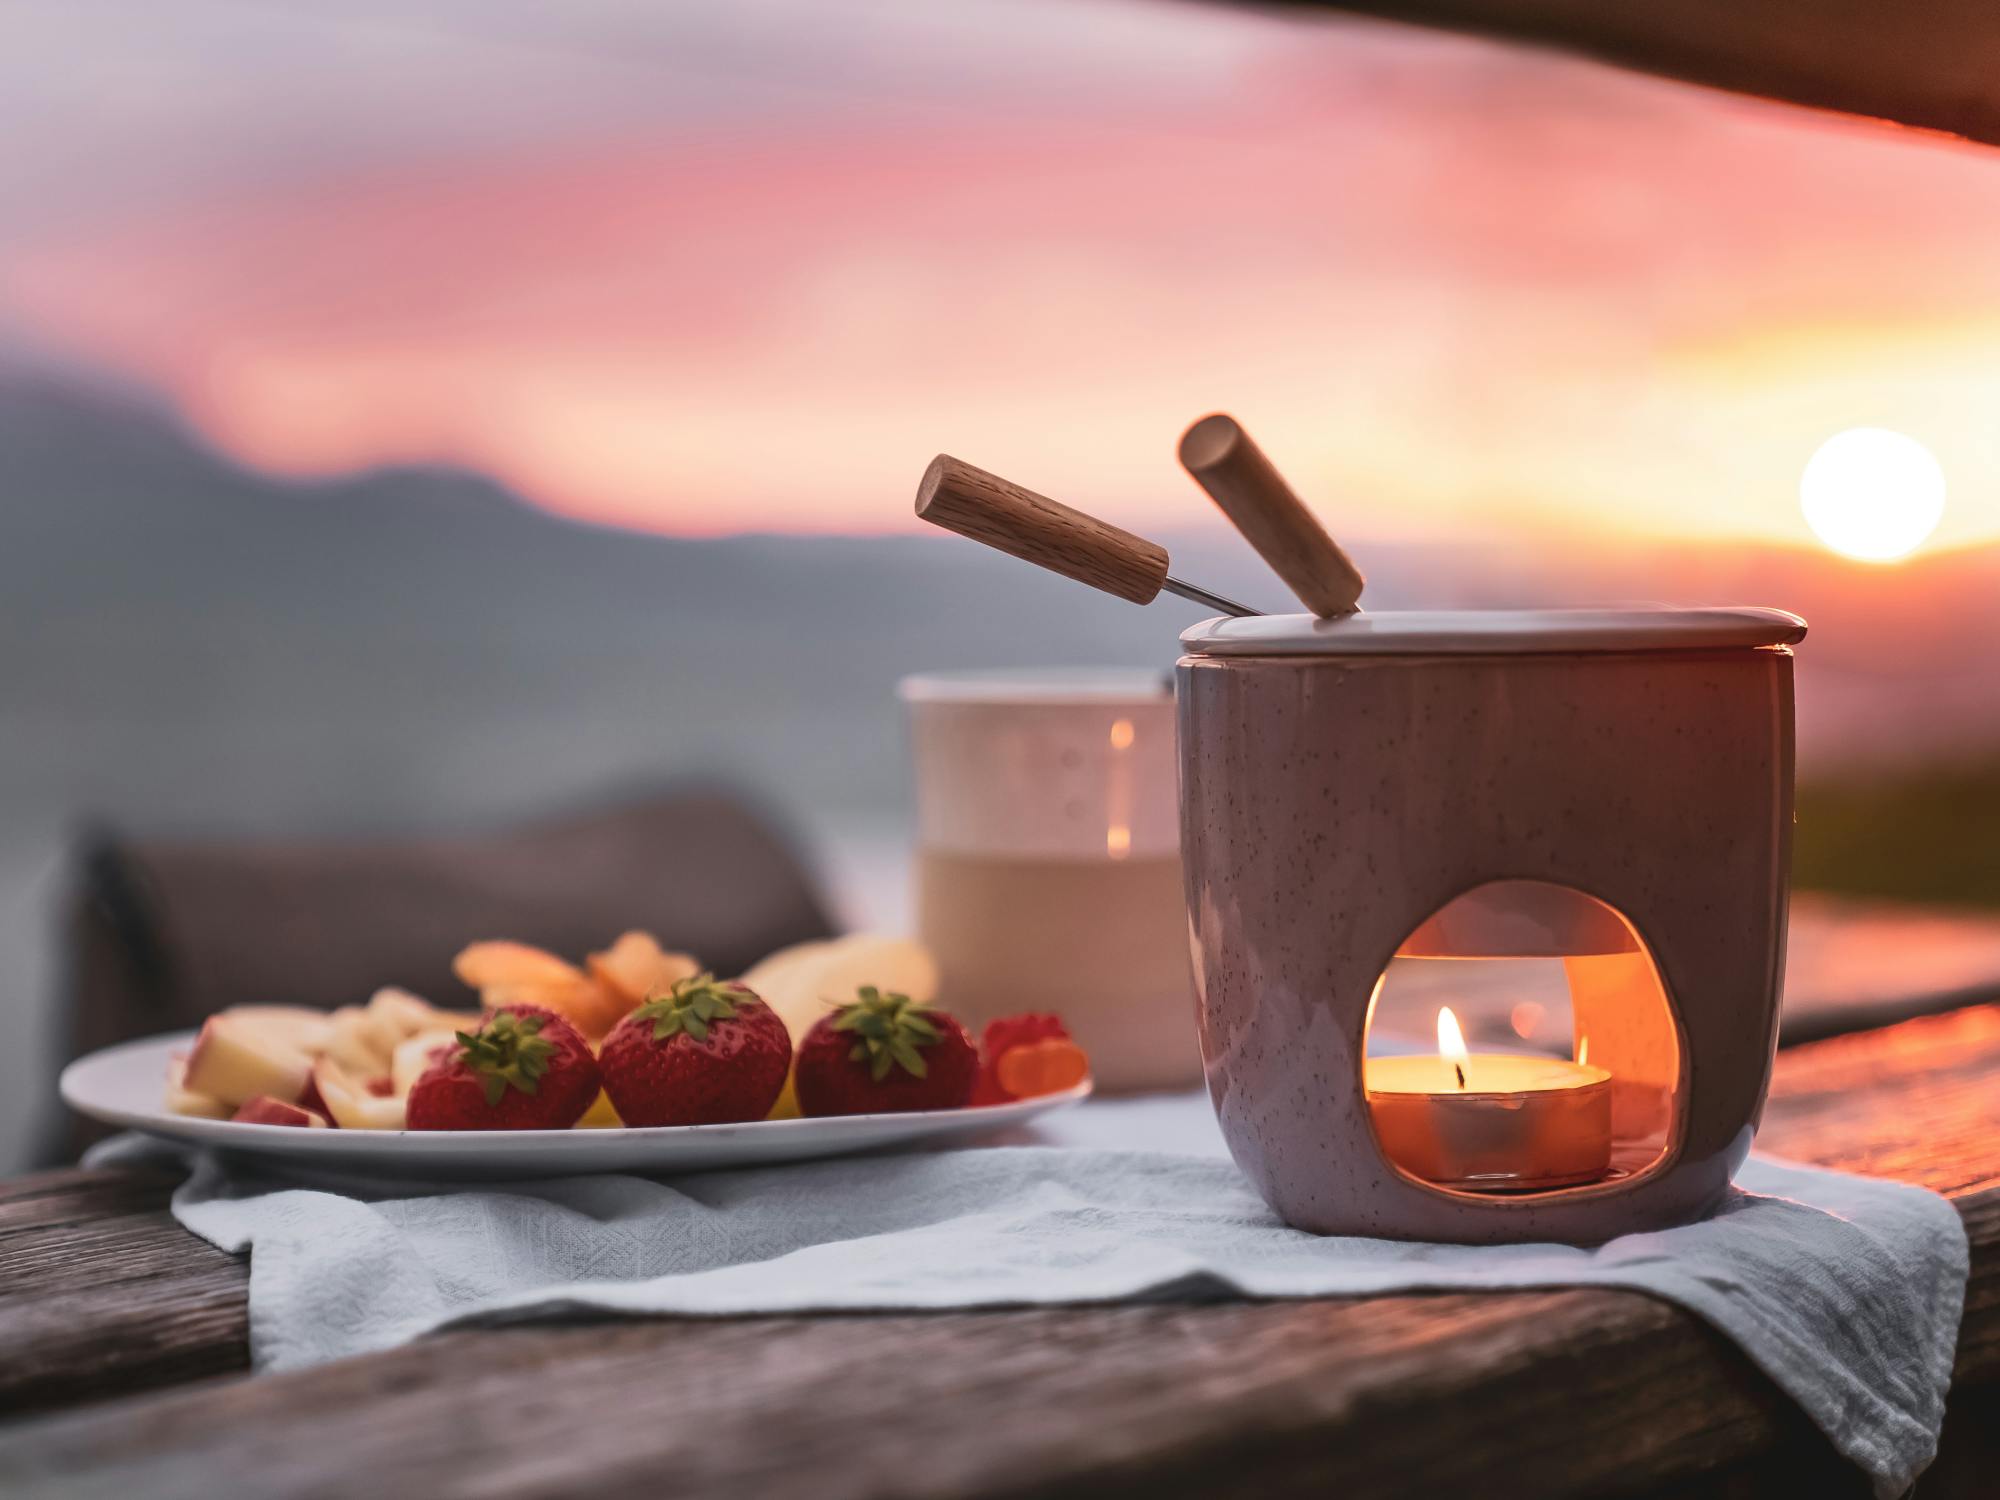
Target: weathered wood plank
<point>1263,1399</point>
<point>50,1200</point>
<point>102,1293</point>
<point>1389,1396</point>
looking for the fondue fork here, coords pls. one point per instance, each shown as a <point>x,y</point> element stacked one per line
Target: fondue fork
<point>968,500</point>
<point>1253,494</point>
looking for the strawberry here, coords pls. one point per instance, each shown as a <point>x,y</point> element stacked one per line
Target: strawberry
<point>1027,1055</point>
<point>884,1054</point>
<point>697,1053</point>
<point>525,1068</point>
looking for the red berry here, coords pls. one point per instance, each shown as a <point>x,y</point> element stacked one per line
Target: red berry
<point>986,1091</point>
<point>526,1068</point>
<point>1002,1035</point>
<point>701,1053</point>
<point>1017,1031</point>
<point>885,1054</point>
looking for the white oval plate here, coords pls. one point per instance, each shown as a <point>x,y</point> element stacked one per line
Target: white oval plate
<point>121,1086</point>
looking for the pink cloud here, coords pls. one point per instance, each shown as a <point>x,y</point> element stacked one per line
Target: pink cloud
<point>1467,284</point>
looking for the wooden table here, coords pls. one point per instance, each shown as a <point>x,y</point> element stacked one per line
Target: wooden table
<point>123,1355</point>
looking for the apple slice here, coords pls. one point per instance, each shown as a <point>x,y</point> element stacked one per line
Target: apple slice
<point>264,1110</point>
<point>180,1101</point>
<point>404,1015</point>
<point>295,1026</point>
<point>234,1064</point>
<point>414,1054</point>
<point>311,1100</point>
<point>392,1016</point>
<point>351,1104</point>
<point>636,967</point>
<point>359,1042</point>
<point>378,1029</point>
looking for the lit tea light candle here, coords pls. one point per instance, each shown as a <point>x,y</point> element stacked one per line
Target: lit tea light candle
<point>1490,1120</point>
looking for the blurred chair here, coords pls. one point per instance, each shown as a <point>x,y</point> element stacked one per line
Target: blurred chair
<point>160,934</point>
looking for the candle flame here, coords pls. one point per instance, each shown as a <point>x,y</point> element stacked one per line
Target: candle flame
<point>1583,1050</point>
<point>1122,735</point>
<point>1451,1043</point>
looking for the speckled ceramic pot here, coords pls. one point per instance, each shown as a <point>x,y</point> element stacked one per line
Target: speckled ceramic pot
<point>1342,781</point>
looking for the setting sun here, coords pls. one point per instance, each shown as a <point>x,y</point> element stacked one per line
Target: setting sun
<point>1872,494</point>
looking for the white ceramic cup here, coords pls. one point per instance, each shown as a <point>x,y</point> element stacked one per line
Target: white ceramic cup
<point>1048,860</point>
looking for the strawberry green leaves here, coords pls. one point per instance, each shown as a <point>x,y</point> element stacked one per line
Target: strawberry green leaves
<point>692,1006</point>
<point>506,1053</point>
<point>890,1031</point>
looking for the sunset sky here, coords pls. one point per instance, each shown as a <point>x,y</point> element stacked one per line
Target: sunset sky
<point>728,266</point>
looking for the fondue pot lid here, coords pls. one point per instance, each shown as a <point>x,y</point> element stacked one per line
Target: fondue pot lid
<point>1430,632</point>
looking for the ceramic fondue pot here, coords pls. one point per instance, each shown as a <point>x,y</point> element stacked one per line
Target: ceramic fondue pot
<point>1611,788</point>
<point>1605,791</point>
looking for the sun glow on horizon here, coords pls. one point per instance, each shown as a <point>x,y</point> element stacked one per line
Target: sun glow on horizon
<point>1872,494</point>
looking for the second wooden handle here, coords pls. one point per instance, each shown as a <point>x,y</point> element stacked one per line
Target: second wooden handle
<point>1255,497</point>
<point>1036,529</point>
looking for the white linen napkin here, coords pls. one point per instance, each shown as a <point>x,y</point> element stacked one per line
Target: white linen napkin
<point>1846,1291</point>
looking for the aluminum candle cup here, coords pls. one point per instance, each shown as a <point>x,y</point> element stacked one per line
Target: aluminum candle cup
<point>1612,789</point>
<point>1048,861</point>
<point>1514,1123</point>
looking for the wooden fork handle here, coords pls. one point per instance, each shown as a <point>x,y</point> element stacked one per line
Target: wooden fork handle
<point>1255,497</point>
<point>1036,529</point>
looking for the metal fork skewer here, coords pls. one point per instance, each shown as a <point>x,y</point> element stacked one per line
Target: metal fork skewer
<point>1196,594</point>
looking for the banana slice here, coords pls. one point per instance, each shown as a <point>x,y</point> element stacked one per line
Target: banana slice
<point>802,985</point>
<point>779,975</point>
<point>770,970</point>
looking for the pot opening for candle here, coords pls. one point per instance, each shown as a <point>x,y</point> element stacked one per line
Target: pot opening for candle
<point>1521,1041</point>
